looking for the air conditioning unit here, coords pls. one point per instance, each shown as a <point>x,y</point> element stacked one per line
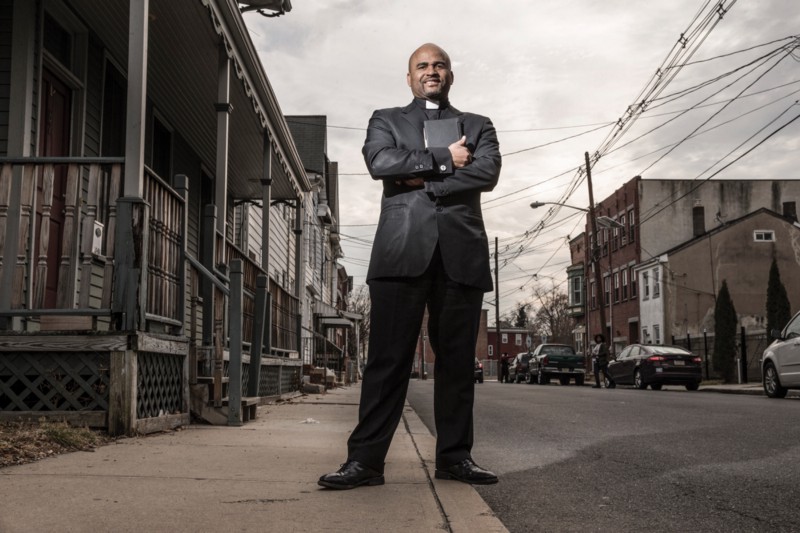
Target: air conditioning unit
<point>324,212</point>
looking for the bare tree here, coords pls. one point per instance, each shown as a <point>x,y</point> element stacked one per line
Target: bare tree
<point>360,303</point>
<point>551,314</point>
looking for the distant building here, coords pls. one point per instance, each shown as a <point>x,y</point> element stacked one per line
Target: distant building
<point>425,352</point>
<point>657,216</point>
<point>512,341</point>
<point>678,288</point>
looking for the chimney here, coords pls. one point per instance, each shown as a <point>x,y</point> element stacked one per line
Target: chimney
<point>698,220</point>
<point>790,210</point>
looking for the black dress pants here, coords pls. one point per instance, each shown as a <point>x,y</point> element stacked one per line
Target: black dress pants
<point>397,309</point>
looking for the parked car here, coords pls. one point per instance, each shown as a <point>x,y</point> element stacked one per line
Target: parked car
<point>780,364</point>
<point>478,371</point>
<point>519,367</point>
<point>555,361</point>
<point>641,365</point>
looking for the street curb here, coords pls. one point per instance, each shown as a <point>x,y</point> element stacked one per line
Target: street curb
<point>463,508</point>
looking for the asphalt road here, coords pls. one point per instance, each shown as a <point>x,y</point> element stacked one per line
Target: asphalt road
<point>581,459</point>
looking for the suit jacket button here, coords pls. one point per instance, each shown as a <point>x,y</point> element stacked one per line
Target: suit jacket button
<point>443,168</point>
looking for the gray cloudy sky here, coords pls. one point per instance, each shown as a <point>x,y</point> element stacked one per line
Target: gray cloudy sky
<point>544,71</point>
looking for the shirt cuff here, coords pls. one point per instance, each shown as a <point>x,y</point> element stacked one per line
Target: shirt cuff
<point>442,160</point>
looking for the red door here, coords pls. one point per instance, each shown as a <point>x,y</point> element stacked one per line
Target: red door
<point>54,141</point>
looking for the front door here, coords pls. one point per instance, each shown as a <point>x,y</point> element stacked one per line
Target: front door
<point>54,141</point>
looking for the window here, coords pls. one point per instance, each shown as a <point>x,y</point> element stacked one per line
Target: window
<point>491,350</point>
<point>764,235</point>
<point>631,226</point>
<point>614,239</point>
<point>504,338</point>
<point>605,242</point>
<point>625,284</point>
<point>633,283</point>
<point>623,231</point>
<point>645,285</point>
<point>161,150</point>
<point>606,289</point>
<point>576,292</point>
<point>518,340</point>
<point>657,334</point>
<point>593,296</point>
<point>616,287</point>
<point>656,283</point>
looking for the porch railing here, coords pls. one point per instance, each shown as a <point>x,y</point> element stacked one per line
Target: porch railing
<point>49,202</point>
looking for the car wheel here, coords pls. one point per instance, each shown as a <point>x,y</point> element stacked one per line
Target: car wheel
<point>564,380</point>
<point>657,386</point>
<point>579,381</point>
<point>772,384</point>
<point>692,386</point>
<point>541,379</point>
<point>529,379</point>
<point>609,383</point>
<point>480,380</point>
<point>638,382</point>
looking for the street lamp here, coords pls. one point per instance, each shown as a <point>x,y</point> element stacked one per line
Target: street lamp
<point>605,222</point>
<point>280,7</point>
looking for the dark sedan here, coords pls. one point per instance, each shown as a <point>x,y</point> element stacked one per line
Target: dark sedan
<point>641,365</point>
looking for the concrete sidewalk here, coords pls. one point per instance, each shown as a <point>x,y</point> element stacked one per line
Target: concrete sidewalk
<point>258,477</point>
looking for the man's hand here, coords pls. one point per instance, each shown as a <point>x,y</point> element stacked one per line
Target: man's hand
<point>460,153</point>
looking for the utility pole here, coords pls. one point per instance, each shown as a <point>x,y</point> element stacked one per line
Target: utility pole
<point>595,251</point>
<point>496,303</point>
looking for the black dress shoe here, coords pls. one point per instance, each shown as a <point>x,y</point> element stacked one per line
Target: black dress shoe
<point>468,472</point>
<point>352,474</point>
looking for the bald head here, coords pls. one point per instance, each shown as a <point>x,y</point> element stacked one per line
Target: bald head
<point>428,47</point>
<point>429,74</point>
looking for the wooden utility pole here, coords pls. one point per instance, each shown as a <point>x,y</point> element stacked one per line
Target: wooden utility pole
<point>594,244</point>
<point>496,303</point>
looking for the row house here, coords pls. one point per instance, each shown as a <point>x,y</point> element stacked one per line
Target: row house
<point>655,216</point>
<point>679,287</point>
<point>155,215</point>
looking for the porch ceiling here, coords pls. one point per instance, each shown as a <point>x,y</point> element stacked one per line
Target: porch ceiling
<point>182,85</point>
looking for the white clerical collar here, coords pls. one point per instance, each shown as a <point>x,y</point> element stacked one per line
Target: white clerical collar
<point>431,105</point>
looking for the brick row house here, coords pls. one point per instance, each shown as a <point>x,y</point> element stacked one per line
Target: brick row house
<point>158,224</point>
<point>679,239</point>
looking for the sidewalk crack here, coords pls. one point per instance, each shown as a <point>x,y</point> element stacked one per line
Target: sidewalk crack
<point>431,486</point>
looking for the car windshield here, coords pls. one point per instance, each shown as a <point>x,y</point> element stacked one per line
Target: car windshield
<point>558,350</point>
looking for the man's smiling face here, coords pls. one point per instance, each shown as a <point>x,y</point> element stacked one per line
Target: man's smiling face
<point>429,74</point>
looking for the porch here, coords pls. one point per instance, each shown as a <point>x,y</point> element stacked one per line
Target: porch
<point>108,320</point>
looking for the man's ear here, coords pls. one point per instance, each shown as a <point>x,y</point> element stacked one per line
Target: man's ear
<point>408,79</point>
<point>452,77</point>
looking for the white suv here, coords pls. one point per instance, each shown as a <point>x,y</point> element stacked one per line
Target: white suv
<point>780,364</point>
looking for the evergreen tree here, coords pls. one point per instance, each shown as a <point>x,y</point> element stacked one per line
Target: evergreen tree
<point>778,308</point>
<point>725,322</point>
<point>521,317</point>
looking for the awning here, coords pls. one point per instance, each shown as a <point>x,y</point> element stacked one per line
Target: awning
<point>335,322</point>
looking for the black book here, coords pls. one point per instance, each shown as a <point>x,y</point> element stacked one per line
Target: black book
<point>442,133</point>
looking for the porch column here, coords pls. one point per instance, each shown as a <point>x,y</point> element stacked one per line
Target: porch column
<point>137,99</point>
<point>299,268</point>
<point>224,108</point>
<point>263,311</point>
<point>20,107</point>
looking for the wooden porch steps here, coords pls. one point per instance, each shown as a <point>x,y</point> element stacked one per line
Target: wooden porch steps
<point>249,407</point>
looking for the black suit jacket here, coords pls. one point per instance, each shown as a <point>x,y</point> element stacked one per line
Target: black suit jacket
<point>447,210</point>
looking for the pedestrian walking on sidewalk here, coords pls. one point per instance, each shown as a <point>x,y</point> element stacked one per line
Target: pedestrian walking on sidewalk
<point>430,250</point>
<point>600,359</point>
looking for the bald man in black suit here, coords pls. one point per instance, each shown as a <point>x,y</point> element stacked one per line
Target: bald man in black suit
<point>430,250</point>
